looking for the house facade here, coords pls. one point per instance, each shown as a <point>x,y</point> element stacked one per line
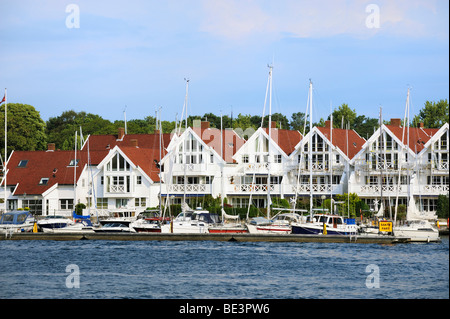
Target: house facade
<point>126,173</point>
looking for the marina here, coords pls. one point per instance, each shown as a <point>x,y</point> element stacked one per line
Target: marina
<point>238,237</point>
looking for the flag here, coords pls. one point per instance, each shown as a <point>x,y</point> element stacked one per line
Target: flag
<point>4,99</point>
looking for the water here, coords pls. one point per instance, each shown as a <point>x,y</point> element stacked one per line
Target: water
<point>209,269</point>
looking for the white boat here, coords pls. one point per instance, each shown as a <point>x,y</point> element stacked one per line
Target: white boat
<point>279,224</point>
<point>83,226</point>
<point>334,225</point>
<point>191,222</point>
<point>230,224</point>
<point>16,221</point>
<point>114,227</point>
<point>418,231</point>
<point>54,221</point>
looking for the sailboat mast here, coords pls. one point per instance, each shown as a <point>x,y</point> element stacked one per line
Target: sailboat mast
<point>184,147</point>
<point>75,172</point>
<point>270,140</point>
<point>6,149</point>
<point>310,149</point>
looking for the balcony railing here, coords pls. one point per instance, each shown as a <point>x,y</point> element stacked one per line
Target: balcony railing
<point>254,188</point>
<point>190,188</point>
<point>117,189</point>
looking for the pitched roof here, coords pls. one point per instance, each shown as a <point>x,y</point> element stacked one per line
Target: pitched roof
<point>145,159</point>
<point>286,139</point>
<point>354,144</point>
<point>53,165</point>
<point>418,136</point>
<point>107,142</point>
<point>212,136</point>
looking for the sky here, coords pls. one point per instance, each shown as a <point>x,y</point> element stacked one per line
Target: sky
<point>107,57</point>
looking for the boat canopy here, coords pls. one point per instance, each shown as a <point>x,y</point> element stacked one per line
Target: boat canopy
<point>15,217</point>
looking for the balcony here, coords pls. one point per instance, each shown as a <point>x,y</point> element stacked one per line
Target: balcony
<point>388,190</point>
<point>190,188</point>
<point>253,188</point>
<point>316,189</point>
<point>117,189</point>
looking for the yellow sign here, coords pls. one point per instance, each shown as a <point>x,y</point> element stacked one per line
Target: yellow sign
<point>385,226</point>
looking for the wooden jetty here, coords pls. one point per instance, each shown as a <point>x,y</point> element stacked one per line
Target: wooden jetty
<point>208,237</point>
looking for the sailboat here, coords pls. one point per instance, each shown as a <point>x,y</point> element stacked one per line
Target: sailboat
<point>320,223</point>
<point>417,228</point>
<point>261,225</point>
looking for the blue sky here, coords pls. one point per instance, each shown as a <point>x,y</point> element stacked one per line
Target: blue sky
<point>136,54</point>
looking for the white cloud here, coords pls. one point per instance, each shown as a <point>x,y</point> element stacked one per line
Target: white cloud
<point>241,19</point>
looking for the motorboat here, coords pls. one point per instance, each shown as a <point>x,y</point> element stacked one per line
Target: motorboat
<point>114,227</point>
<point>80,226</point>
<point>191,222</point>
<point>279,224</point>
<point>325,224</point>
<point>54,221</point>
<point>418,230</point>
<point>16,221</point>
<point>149,222</point>
<point>230,224</point>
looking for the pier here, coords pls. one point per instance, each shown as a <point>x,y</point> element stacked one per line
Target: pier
<point>210,237</point>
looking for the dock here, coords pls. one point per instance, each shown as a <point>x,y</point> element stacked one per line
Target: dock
<point>246,237</point>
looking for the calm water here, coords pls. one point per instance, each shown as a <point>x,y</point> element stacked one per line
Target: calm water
<point>208,269</point>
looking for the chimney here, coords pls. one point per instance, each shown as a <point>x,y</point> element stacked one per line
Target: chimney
<point>273,124</point>
<point>134,142</point>
<point>420,125</point>
<point>121,133</point>
<point>156,132</point>
<point>51,147</point>
<point>396,122</point>
<point>204,125</point>
<point>327,124</point>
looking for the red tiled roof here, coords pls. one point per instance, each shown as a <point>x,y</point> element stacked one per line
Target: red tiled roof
<point>286,139</point>
<point>53,165</point>
<point>106,142</point>
<point>211,137</point>
<point>418,137</point>
<point>355,142</point>
<point>145,159</point>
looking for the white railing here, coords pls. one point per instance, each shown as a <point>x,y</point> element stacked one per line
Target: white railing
<point>190,188</point>
<point>370,189</point>
<point>316,188</point>
<point>437,189</point>
<point>117,189</point>
<point>255,188</point>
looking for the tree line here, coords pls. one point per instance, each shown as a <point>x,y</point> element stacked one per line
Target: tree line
<point>27,130</point>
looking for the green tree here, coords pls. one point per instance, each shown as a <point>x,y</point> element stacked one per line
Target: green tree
<point>343,115</point>
<point>349,205</point>
<point>442,206</point>
<point>26,129</point>
<point>298,122</point>
<point>433,115</point>
<point>61,129</point>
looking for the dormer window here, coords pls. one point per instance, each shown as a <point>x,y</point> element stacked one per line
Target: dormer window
<point>43,181</point>
<point>73,162</point>
<point>23,163</point>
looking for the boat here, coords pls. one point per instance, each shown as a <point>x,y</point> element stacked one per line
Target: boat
<point>418,231</point>
<point>149,222</point>
<point>230,224</point>
<point>326,224</point>
<point>16,221</point>
<point>279,224</point>
<point>80,226</point>
<point>54,221</point>
<point>115,227</point>
<point>191,222</point>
